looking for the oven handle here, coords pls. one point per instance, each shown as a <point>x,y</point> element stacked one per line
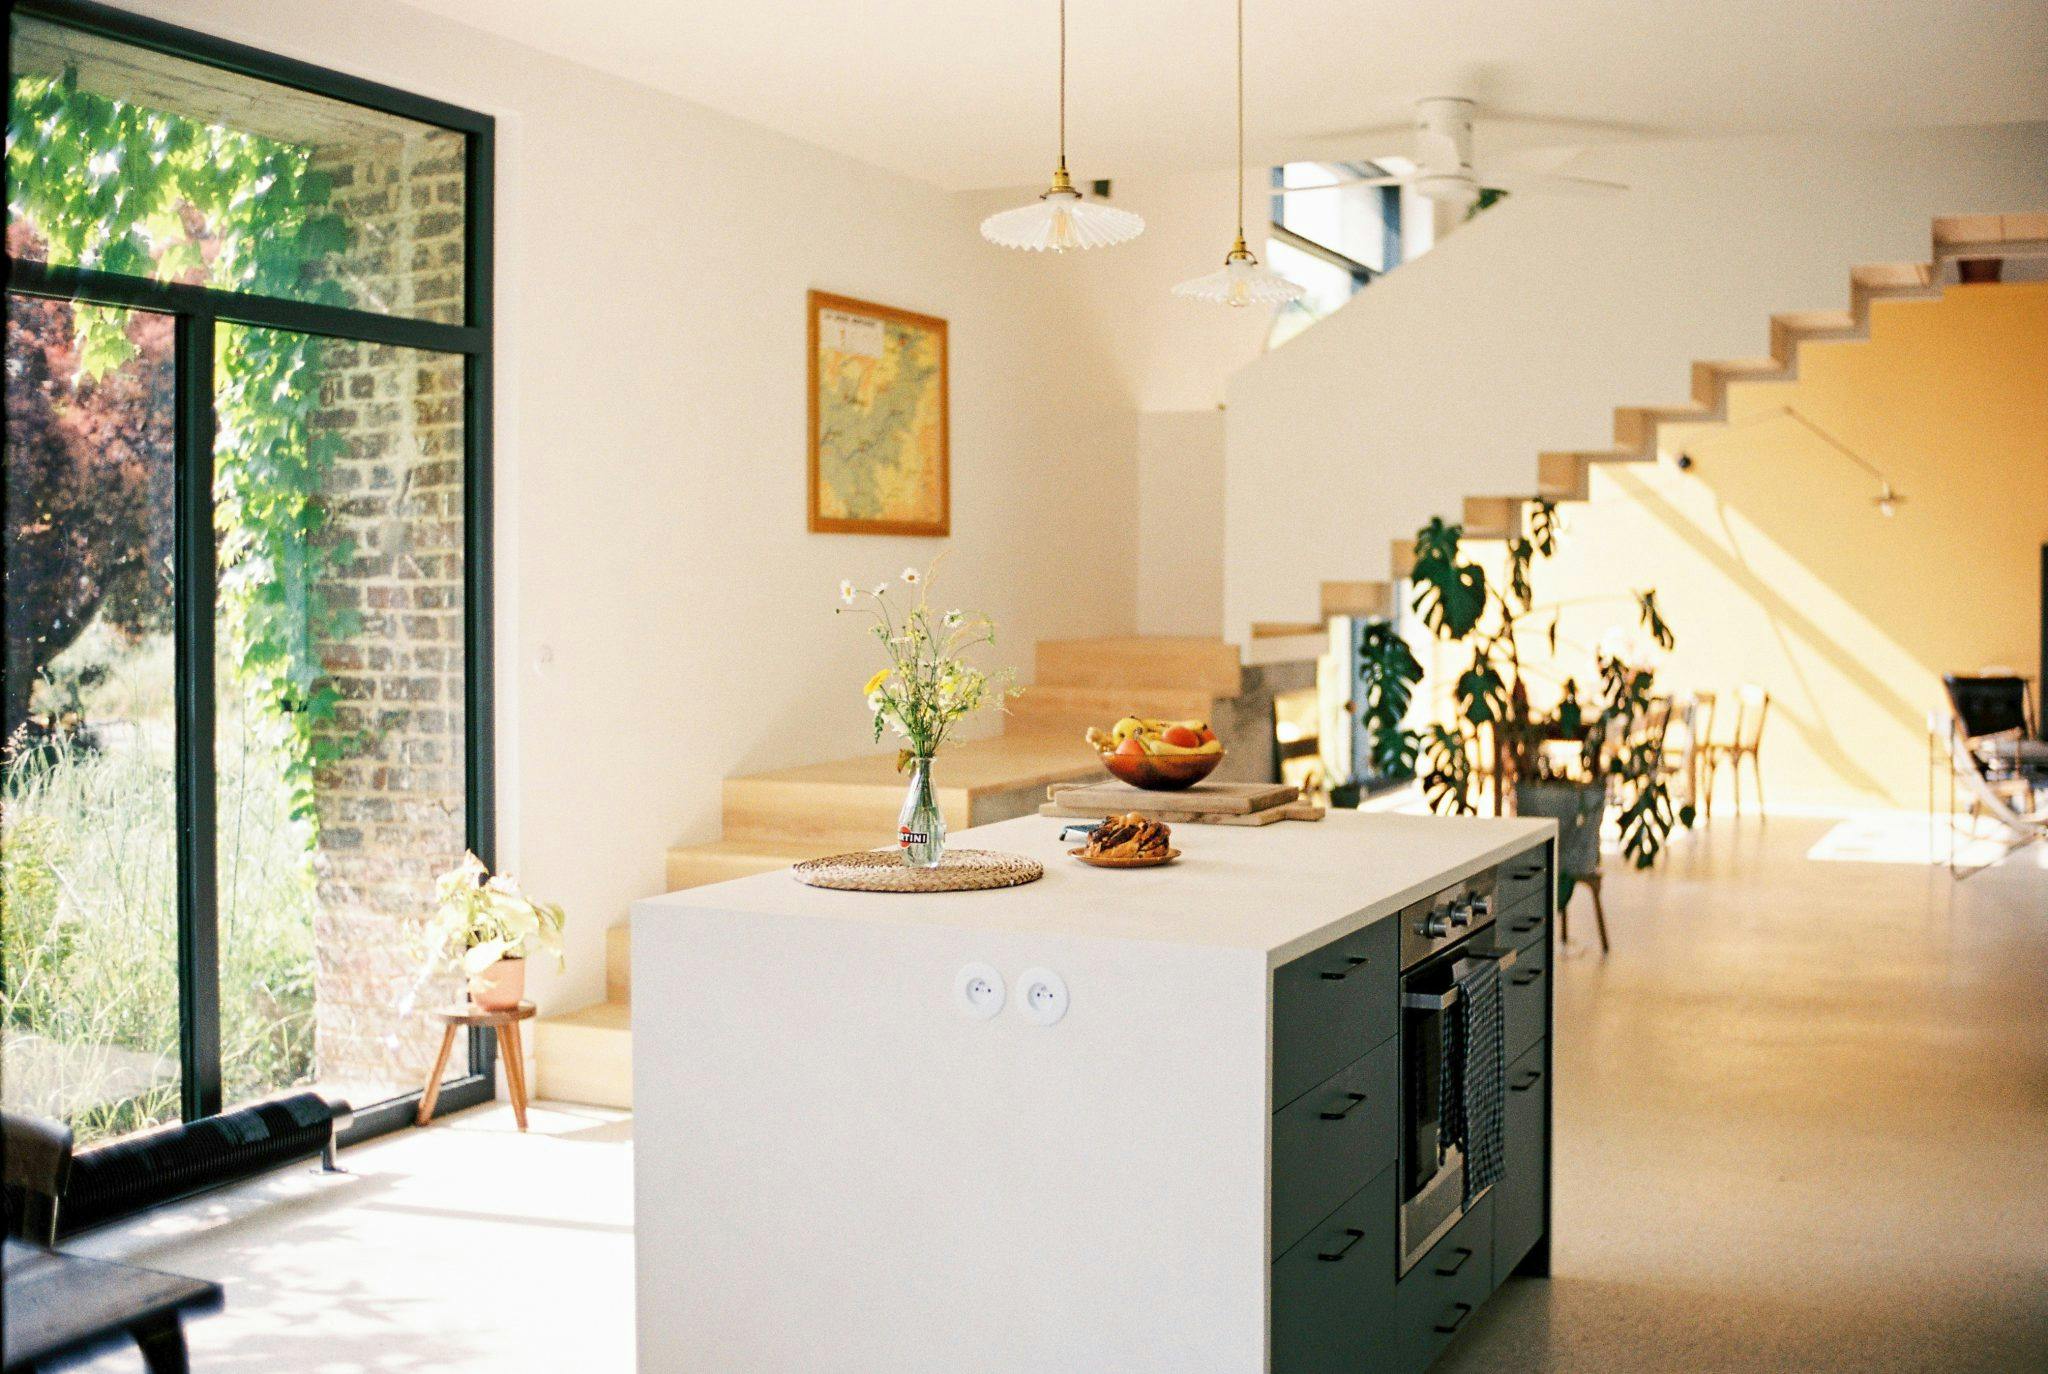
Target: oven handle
<point>1448,998</point>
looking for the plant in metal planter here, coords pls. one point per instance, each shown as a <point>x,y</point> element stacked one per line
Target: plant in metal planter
<point>1569,763</point>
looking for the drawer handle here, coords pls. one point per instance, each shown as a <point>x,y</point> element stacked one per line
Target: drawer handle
<point>1445,1272</point>
<point>1525,977</point>
<point>1352,1236</point>
<point>1535,1077</point>
<point>1453,1318</point>
<point>1523,927</point>
<point>1351,965</point>
<point>1347,1109</point>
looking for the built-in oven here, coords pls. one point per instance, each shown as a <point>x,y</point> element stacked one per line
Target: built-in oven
<point>1441,938</point>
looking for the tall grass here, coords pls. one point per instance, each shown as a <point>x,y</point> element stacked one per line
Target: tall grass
<point>88,916</point>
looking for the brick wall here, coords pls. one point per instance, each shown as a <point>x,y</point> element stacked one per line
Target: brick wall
<point>392,810</point>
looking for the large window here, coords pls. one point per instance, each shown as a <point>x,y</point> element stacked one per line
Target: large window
<point>246,573</point>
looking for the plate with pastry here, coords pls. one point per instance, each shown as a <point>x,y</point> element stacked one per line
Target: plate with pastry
<point>1128,841</point>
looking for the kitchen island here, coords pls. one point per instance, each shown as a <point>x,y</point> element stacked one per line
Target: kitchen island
<point>1111,1120</point>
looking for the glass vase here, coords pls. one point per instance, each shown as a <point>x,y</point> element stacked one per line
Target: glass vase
<point>921,830</point>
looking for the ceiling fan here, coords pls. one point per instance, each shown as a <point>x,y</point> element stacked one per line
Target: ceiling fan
<point>1443,163</point>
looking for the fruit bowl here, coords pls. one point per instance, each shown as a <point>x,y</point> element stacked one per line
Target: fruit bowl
<point>1161,772</point>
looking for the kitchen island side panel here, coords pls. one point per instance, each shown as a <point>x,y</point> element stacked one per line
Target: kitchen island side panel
<point>836,1169</point>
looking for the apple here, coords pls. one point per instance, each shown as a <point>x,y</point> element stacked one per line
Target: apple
<point>1181,735</point>
<point>1131,745</point>
<point>1208,735</point>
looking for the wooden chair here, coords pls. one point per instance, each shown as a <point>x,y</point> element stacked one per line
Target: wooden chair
<point>1697,720</point>
<point>36,1173</point>
<point>1744,741</point>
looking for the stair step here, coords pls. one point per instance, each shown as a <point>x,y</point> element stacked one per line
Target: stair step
<point>1711,378</point>
<point>1055,709</point>
<point>696,865</point>
<point>1401,558</point>
<point>1635,427</point>
<point>1563,476</point>
<point>1792,328</point>
<point>585,1056</point>
<point>1956,235</point>
<point>1494,517</point>
<point>1141,661</point>
<point>618,964</point>
<point>1361,600</point>
<point>1287,629</point>
<point>853,803</point>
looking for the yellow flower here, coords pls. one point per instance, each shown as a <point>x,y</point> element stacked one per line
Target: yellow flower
<point>875,683</point>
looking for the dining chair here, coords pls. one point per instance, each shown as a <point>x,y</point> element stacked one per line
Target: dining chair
<point>1744,740</point>
<point>1697,720</point>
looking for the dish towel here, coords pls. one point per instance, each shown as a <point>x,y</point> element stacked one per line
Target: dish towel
<point>1482,1074</point>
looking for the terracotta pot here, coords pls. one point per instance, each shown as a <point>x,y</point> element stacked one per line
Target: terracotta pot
<point>500,987</point>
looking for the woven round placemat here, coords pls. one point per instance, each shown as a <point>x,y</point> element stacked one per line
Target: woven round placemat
<point>883,870</point>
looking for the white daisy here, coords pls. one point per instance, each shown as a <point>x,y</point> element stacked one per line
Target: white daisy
<point>847,591</point>
<point>954,620</point>
<point>881,588</point>
<point>911,576</point>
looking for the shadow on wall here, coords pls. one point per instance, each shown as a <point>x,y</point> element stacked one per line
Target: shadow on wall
<point>1775,567</point>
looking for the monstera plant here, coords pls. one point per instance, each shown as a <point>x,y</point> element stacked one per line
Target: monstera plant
<point>1570,762</point>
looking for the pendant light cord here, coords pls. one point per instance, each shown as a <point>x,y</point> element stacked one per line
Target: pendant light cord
<point>1240,117</point>
<point>1063,86</point>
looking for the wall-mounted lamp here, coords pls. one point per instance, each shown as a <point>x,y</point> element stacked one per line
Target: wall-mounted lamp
<point>1887,500</point>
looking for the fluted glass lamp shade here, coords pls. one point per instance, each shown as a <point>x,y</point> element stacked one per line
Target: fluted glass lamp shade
<point>1060,220</point>
<point>1241,281</point>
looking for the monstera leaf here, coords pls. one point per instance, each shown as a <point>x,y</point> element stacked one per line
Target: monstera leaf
<point>1389,671</point>
<point>1450,595</point>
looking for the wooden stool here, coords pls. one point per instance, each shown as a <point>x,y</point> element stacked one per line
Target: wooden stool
<point>461,1014</point>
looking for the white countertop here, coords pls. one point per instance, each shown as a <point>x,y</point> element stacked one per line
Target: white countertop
<point>1283,889</point>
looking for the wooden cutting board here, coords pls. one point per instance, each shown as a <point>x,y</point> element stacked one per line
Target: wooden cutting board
<point>1292,811</point>
<point>1111,798</point>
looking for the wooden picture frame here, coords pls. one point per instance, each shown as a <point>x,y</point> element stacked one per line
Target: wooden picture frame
<point>928,425</point>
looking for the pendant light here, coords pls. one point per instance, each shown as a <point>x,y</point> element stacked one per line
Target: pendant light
<point>1060,219</point>
<point>1241,280</point>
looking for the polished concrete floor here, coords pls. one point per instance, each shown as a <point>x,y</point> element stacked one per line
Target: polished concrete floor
<point>1802,1125</point>
<point>1802,1116</point>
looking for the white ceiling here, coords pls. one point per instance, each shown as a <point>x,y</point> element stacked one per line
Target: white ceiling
<point>960,92</point>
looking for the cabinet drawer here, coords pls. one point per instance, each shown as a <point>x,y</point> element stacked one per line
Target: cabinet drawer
<point>1332,1006</point>
<point>1518,1197</point>
<point>1525,1011</point>
<point>1521,877</point>
<point>1330,1140</point>
<point>1434,1300</point>
<point>1524,923</point>
<point>1333,1292</point>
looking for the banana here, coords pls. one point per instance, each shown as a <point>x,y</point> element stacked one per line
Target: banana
<point>1128,726</point>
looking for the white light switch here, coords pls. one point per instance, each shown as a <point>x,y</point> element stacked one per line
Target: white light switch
<point>1042,994</point>
<point>978,989</point>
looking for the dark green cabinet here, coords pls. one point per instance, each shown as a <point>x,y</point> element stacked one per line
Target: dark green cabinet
<point>1331,1139</point>
<point>1331,1006</point>
<point>1518,1199</point>
<point>1333,1291</point>
<point>1435,1299</point>
<point>1525,999</point>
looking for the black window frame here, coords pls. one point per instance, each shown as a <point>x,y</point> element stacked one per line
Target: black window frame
<point>198,311</point>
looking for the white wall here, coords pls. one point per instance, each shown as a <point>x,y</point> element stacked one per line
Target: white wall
<point>1179,509</point>
<point>1522,332</point>
<point>664,618</point>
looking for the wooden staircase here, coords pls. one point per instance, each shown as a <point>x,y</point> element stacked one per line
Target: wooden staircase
<point>1566,476</point>
<point>777,818</point>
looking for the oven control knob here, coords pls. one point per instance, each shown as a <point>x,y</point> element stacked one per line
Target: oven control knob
<point>1461,912</point>
<point>1482,906</point>
<point>1433,926</point>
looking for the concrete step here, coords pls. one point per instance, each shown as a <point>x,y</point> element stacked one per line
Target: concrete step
<point>695,865</point>
<point>618,964</point>
<point>585,1056</point>
<point>854,803</point>
<point>1359,600</point>
<point>1128,661</point>
<point>1054,709</point>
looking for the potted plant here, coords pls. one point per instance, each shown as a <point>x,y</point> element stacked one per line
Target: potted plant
<point>1568,764</point>
<point>486,926</point>
<point>927,687</point>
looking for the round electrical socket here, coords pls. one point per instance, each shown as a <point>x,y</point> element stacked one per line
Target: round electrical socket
<point>1042,994</point>
<point>978,989</point>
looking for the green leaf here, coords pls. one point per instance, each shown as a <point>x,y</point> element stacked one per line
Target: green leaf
<point>1451,596</point>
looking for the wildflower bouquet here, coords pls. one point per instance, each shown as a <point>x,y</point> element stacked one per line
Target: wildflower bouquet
<point>928,684</point>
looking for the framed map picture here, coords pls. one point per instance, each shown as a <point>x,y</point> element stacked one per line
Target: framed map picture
<point>879,462</point>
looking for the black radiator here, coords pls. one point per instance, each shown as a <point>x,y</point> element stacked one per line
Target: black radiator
<point>116,1180</point>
